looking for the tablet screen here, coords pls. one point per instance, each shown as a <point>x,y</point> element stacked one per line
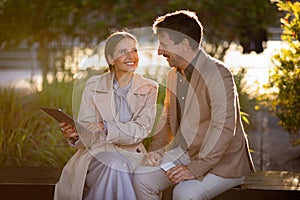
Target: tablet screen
<point>59,115</point>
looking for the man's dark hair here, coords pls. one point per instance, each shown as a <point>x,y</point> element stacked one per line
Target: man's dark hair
<point>179,25</point>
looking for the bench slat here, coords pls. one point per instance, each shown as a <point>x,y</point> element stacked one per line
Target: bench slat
<point>38,183</point>
<point>273,180</point>
<point>29,176</point>
<point>32,183</point>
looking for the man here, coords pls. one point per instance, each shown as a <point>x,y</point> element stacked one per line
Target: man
<point>200,130</point>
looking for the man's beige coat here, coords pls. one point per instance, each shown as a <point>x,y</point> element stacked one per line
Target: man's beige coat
<point>211,122</point>
<point>97,105</point>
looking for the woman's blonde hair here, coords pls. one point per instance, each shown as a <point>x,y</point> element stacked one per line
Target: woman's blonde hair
<point>111,43</point>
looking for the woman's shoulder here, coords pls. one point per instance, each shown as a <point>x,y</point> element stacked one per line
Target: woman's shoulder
<point>96,78</point>
<point>141,80</point>
<point>101,82</point>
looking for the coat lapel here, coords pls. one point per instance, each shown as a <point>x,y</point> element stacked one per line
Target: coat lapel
<point>195,80</point>
<point>171,85</point>
<point>104,93</point>
<point>191,113</point>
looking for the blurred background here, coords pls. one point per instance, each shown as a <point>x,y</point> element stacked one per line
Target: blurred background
<point>49,48</point>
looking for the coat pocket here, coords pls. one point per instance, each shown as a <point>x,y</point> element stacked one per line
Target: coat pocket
<point>134,153</point>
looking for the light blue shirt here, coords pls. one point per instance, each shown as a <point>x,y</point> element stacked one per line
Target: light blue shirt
<point>122,107</point>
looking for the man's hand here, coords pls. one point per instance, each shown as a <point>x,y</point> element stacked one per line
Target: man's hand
<point>152,159</point>
<point>179,173</point>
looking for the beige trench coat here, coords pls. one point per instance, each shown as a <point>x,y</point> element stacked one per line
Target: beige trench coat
<point>97,105</point>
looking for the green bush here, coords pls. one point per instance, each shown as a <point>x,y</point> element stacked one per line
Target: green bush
<point>284,85</point>
<point>244,99</point>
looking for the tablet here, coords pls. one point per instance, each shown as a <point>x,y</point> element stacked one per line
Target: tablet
<point>59,115</point>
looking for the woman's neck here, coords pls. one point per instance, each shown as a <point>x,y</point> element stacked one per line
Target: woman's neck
<point>123,79</point>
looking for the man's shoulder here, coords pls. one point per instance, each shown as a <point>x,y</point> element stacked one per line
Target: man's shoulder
<point>210,65</point>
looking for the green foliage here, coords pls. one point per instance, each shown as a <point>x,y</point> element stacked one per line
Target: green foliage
<point>239,79</point>
<point>285,79</point>
<point>244,99</point>
<point>55,21</point>
<point>244,22</point>
<point>29,137</point>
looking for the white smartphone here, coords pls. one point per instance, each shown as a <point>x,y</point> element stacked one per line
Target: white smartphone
<point>167,166</point>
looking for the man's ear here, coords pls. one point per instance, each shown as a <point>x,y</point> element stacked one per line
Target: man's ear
<point>185,44</point>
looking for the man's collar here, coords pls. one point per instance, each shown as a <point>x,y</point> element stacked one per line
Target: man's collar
<point>189,70</point>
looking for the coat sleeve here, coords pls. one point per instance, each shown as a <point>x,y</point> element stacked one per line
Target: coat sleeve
<point>88,114</point>
<point>138,128</point>
<point>223,123</point>
<point>88,111</point>
<point>163,134</point>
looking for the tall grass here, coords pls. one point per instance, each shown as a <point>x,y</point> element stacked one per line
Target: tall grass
<point>28,137</point>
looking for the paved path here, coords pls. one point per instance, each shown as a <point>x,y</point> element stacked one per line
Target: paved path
<point>276,153</point>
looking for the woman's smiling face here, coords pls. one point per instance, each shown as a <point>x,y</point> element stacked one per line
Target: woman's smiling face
<point>125,56</point>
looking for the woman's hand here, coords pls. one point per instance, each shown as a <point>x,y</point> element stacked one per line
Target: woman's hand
<point>152,159</point>
<point>68,130</point>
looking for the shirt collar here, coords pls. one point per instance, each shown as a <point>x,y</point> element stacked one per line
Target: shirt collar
<point>116,85</point>
<point>189,70</point>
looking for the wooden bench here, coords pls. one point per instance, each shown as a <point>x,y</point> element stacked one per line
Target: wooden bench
<point>263,185</point>
<point>273,185</point>
<point>38,184</point>
<point>32,183</point>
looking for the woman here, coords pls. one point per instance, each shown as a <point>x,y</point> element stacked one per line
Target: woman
<point>118,108</point>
